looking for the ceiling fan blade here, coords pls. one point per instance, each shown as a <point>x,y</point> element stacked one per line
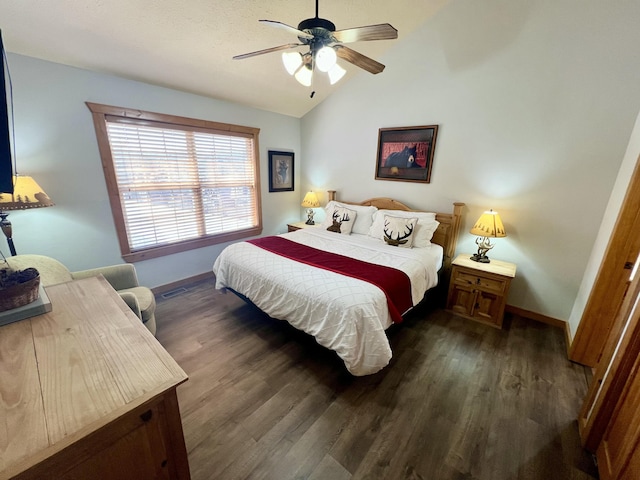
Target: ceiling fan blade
<point>359,60</point>
<point>288,28</point>
<point>268,50</point>
<point>383,31</point>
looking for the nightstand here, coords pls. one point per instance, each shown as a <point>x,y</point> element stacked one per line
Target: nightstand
<point>292,227</point>
<point>479,290</point>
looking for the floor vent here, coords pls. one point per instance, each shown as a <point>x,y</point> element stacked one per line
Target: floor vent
<point>174,293</point>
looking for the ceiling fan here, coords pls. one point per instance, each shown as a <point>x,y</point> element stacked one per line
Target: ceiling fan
<point>325,45</point>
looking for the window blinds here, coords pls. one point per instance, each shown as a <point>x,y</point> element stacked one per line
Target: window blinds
<point>181,183</point>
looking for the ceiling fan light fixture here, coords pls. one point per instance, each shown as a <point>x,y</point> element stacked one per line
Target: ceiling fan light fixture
<point>324,43</point>
<point>292,61</point>
<point>303,76</point>
<point>336,73</point>
<point>326,59</point>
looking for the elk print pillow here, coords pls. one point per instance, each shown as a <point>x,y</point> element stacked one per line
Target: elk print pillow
<point>340,220</point>
<point>426,226</point>
<point>398,231</point>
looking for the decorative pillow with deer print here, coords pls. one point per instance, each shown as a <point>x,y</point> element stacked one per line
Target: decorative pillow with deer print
<point>422,234</point>
<point>398,231</point>
<point>364,215</point>
<point>340,220</point>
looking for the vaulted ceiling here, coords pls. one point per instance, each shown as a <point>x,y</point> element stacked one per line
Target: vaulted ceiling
<point>188,45</point>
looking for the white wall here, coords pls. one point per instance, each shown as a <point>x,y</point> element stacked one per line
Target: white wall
<point>629,162</point>
<point>56,144</point>
<point>535,102</point>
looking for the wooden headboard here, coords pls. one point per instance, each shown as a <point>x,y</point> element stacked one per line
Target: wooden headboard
<point>447,233</point>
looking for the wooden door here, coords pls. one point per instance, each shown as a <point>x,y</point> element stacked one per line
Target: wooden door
<point>612,281</point>
<point>619,451</point>
<point>605,416</point>
<point>609,420</point>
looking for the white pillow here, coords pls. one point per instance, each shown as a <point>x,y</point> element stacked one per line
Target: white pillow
<point>427,225</point>
<point>364,218</point>
<point>340,220</point>
<point>399,231</point>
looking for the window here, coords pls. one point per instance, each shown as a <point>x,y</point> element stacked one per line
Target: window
<point>177,183</point>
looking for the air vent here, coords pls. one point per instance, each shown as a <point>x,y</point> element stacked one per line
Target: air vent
<point>174,293</point>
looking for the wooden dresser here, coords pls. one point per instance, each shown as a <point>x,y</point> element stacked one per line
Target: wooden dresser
<point>86,391</point>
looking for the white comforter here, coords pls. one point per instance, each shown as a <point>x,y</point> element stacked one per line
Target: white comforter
<point>344,314</point>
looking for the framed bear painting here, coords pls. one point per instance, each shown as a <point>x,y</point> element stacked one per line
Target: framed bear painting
<point>406,153</point>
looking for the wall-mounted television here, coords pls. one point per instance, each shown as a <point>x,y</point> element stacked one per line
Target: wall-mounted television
<point>6,168</point>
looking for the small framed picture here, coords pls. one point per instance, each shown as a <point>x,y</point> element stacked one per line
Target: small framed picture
<point>281,171</point>
<point>406,153</point>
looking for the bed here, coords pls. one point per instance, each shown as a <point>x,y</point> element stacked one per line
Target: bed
<point>346,288</point>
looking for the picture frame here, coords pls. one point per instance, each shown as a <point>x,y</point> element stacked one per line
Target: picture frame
<point>281,171</point>
<point>406,153</point>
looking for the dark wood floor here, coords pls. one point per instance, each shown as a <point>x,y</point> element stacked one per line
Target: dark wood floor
<point>459,400</point>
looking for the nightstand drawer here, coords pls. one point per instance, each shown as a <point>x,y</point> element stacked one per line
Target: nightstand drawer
<point>484,283</point>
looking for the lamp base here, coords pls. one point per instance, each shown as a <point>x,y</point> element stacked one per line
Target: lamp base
<point>484,245</point>
<point>5,225</point>
<point>480,258</point>
<point>310,214</point>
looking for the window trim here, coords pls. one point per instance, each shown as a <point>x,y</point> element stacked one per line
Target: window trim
<point>101,112</point>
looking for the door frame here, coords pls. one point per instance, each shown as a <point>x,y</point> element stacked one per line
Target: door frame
<point>612,280</point>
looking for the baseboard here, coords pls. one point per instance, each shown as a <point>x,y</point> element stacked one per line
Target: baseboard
<point>180,283</point>
<point>538,317</point>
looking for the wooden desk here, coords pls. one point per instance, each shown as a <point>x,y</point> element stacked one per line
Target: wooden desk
<point>87,392</point>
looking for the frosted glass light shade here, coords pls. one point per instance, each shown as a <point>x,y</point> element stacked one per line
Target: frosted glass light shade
<point>292,61</point>
<point>325,59</point>
<point>336,73</point>
<point>303,75</point>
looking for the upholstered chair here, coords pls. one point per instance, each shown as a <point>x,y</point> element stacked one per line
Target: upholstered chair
<point>122,278</point>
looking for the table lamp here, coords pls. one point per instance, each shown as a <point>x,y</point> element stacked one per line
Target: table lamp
<point>26,194</point>
<point>310,201</point>
<point>489,225</point>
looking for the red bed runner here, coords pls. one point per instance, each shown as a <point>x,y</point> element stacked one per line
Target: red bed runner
<point>395,284</point>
